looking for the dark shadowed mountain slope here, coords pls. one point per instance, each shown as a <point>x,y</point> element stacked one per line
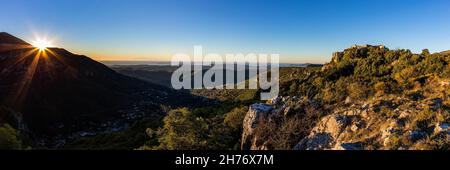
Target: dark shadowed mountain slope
<point>6,38</point>
<point>55,90</point>
<point>8,42</point>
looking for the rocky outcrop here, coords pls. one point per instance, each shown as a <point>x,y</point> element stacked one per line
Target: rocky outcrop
<point>381,122</point>
<point>367,97</point>
<point>326,133</point>
<point>256,114</point>
<point>337,57</point>
<point>372,125</point>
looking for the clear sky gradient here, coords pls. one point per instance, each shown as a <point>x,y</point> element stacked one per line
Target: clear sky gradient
<point>300,31</point>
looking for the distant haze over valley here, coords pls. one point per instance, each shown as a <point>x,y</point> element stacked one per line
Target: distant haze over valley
<point>156,63</point>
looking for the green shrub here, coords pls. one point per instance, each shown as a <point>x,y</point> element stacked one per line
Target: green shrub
<point>9,138</point>
<point>182,130</point>
<point>358,91</point>
<point>235,118</point>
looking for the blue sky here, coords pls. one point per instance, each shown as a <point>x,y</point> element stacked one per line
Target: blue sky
<point>300,31</point>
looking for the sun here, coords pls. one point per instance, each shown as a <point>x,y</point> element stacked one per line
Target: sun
<point>42,44</point>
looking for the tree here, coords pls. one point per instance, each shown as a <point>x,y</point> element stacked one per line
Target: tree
<point>425,52</point>
<point>235,118</point>
<point>404,75</point>
<point>198,129</point>
<point>9,138</point>
<point>293,88</point>
<point>182,130</point>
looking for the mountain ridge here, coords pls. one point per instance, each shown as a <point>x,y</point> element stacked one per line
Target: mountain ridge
<point>58,92</point>
<point>6,38</point>
<point>9,42</point>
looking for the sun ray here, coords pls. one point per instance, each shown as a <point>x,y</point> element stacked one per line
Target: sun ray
<point>23,85</point>
<point>35,56</point>
<point>57,57</point>
<point>23,56</point>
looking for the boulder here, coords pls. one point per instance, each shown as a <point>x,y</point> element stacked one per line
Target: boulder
<point>348,100</point>
<point>354,128</point>
<point>404,114</point>
<point>318,141</point>
<point>255,114</point>
<point>365,114</point>
<point>334,124</point>
<point>325,134</point>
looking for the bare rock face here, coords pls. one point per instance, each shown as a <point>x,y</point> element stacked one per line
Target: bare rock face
<point>337,56</point>
<point>255,114</point>
<point>326,133</point>
<point>315,141</point>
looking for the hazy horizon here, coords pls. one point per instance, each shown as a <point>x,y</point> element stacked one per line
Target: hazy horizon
<point>300,31</point>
